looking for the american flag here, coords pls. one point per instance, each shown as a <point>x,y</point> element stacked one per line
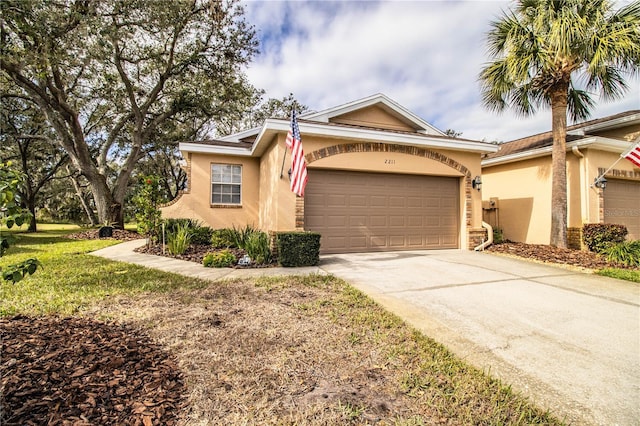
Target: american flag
<point>633,154</point>
<point>298,163</point>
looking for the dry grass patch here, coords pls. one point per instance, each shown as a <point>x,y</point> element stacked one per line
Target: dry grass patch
<point>311,351</point>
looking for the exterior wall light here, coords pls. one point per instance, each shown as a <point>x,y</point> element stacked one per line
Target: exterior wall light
<point>600,182</point>
<point>476,183</point>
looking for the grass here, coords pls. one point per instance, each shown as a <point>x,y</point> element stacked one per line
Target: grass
<point>621,274</point>
<point>275,350</point>
<point>70,279</point>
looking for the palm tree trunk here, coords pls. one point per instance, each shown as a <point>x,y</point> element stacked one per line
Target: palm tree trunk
<point>559,167</point>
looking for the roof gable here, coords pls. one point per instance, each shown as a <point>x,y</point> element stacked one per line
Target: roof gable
<point>393,113</point>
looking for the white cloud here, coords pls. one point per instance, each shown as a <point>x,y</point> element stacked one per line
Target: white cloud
<point>426,55</point>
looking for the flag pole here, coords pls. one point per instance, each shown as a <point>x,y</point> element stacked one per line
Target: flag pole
<point>283,158</point>
<point>623,155</point>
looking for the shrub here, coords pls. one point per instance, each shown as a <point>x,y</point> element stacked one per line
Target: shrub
<point>178,241</point>
<point>498,236</point>
<point>258,248</point>
<point>298,248</point>
<point>201,235</point>
<point>223,238</point>
<point>627,253</point>
<point>241,235</point>
<point>219,259</point>
<point>599,236</point>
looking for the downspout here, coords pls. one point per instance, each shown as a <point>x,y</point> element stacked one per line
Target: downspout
<point>584,185</point>
<point>489,241</point>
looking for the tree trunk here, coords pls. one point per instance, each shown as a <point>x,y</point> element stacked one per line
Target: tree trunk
<point>31,205</point>
<point>559,167</point>
<point>110,211</point>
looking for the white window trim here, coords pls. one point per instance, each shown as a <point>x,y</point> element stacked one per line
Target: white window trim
<point>232,204</point>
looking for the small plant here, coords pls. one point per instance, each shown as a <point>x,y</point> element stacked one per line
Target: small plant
<point>146,201</point>
<point>627,253</point>
<point>219,259</point>
<point>599,236</point>
<point>201,235</point>
<point>258,248</point>
<point>498,236</point>
<point>223,238</point>
<point>241,235</point>
<point>178,241</point>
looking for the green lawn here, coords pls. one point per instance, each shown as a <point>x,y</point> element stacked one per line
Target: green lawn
<point>621,274</point>
<point>70,279</point>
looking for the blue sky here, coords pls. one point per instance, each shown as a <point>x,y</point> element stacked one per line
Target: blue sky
<point>425,55</point>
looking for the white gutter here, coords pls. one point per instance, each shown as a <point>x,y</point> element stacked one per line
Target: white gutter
<point>275,126</point>
<point>489,241</point>
<point>606,144</point>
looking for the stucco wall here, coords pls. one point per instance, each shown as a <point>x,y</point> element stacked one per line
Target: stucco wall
<point>197,202</point>
<point>523,190</point>
<point>373,116</point>
<point>517,186</point>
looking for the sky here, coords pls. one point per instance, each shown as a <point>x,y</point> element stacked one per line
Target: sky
<point>425,55</point>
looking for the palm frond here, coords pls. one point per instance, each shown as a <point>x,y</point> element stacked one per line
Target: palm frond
<point>579,104</point>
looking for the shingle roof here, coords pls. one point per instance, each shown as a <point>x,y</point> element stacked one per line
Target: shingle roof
<point>545,139</point>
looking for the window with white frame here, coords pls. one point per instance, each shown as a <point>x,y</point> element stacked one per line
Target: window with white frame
<point>226,184</point>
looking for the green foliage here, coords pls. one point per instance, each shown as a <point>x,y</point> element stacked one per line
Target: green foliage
<point>199,234</point>
<point>600,236</point>
<point>147,201</point>
<point>498,236</point>
<point>72,279</point>
<point>11,213</point>
<point>542,48</point>
<point>179,239</point>
<point>621,274</point>
<point>240,236</point>
<point>223,238</point>
<point>298,248</point>
<point>258,247</point>
<point>625,253</point>
<point>219,259</point>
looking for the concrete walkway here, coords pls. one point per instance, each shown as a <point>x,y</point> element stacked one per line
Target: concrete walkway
<point>124,252</point>
<point>568,340</point>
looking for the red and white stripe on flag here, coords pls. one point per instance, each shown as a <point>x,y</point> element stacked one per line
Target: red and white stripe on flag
<point>633,154</point>
<point>298,163</point>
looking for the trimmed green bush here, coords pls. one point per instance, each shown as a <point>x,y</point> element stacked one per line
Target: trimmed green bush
<point>201,235</point>
<point>627,253</point>
<point>599,236</point>
<point>223,238</point>
<point>258,248</point>
<point>298,248</point>
<point>219,259</point>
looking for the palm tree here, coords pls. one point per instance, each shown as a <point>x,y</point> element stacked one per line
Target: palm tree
<point>556,53</point>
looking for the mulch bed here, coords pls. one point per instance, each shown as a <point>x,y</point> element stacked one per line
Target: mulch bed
<point>545,253</point>
<point>118,234</point>
<point>77,371</point>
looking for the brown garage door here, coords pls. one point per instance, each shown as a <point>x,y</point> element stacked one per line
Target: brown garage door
<point>358,212</point>
<point>622,205</point>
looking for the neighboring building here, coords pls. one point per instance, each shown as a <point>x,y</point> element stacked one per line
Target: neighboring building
<point>517,181</point>
<point>380,178</point>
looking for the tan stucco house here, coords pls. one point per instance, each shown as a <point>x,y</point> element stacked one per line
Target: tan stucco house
<point>517,181</point>
<point>379,178</point>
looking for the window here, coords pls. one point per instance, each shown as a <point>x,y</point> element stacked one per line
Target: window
<point>226,183</point>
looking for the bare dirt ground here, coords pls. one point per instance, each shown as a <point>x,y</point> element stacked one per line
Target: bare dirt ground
<point>304,351</point>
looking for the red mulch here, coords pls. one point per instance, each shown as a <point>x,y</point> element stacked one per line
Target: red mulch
<point>77,371</point>
<point>545,253</point>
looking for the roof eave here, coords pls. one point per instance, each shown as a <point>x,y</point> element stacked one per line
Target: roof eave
<point>594,142</point>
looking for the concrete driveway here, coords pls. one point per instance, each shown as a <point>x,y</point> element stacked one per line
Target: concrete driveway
<point>568,340</point>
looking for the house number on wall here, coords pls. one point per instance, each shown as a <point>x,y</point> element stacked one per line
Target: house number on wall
<point>389,161</point>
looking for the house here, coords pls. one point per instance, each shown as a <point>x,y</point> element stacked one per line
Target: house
<point>517,181</point>
<point>379,179</point>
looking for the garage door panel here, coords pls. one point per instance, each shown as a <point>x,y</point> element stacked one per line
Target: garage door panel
<point>377,212</point>
<point>622,205</point>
